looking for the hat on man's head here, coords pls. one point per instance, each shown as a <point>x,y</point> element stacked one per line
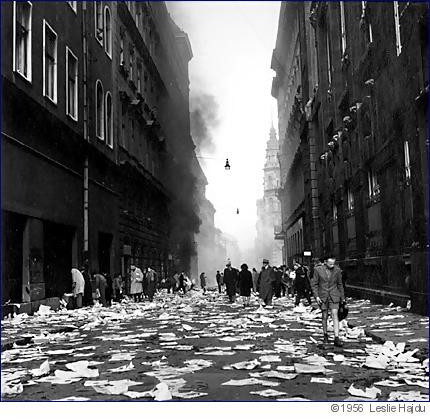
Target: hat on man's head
<point>228,263</point>
<point>265,260</point>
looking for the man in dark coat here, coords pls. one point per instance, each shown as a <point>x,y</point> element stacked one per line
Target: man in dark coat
<point>301,284</point>
<point>230,281</point>
<point>203,282</point>
<point>219,281</point>
<point>277,286</point>
<point>328,290</point>
<point>265,283</point>
<point>151,283</point>
<point>88,291</point>
<point>245,284</point>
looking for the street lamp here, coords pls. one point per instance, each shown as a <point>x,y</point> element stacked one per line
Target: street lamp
<point>227,165</point>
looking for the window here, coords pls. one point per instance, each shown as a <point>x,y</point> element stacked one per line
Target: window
<point>363,15</point>
<point>372,183</point>
<point>108,33</point>
<point>121,50</point>
<point>71,85</point>
<point>98,11</point>
<point>99,111</point>
<point>397,27</point>
<point>49,62</point>
<point>334,206</point>
<point>407,161</point>
<point>109,120</point>
<point>350,198</point>
<point>73,5</point>
<point>22,38</point>
<point>328,56</point>
<point>131,63</point>
<point>139,77</point>
<point>342,26</point>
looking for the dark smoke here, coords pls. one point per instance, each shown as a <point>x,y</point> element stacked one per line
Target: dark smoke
<point>204,119</point>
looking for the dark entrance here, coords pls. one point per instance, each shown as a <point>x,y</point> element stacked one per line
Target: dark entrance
<point>13,233</point>
<point>57,241</point>
<point>105,244</point>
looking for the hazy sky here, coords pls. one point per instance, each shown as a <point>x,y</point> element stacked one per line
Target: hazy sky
<point>232,44</point>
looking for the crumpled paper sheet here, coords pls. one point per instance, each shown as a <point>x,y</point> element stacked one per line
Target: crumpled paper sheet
<point>369,393</point>
<point>11,390</point>
<point>121,357</point>
<point>273,374</point>
<point>42,370</point>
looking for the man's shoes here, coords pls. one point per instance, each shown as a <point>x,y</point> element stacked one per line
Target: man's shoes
<point>338,342</point>
<point>325,340</point>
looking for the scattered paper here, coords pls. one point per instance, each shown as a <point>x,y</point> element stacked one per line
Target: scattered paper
<point>369,393</point>
<point>268,393</point>
<point>322,380</point>
<point>309,369</point>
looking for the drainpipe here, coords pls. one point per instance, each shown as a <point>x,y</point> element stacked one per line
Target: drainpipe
<point>86,135</point>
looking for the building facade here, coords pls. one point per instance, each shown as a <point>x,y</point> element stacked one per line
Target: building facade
<point>268,207</point>
<point>362,122</point>
<point>95,131</point>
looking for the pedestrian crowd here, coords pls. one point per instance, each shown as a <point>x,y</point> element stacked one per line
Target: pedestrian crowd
<point>324,282</point>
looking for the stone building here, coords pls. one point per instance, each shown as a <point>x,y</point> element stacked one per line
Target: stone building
<point>362,117</point>
<point>269,208</point>
<point>96,158</point>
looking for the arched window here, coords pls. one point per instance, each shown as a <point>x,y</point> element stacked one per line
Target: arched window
<point>100,111</point>
<point>109,120</point>
<point>108,32</point>
<point>98,12</point>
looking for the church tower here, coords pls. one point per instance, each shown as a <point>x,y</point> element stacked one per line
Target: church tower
<point>269,207</point>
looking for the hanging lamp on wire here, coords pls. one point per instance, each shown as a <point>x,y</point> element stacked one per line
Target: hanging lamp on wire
<point>227,165</point>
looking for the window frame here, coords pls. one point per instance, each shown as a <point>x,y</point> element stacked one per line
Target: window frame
<point>55,98</point>
<point>29,52</point>
<point>76,117</point>
<point>73,5</point>
<point>350,200</point>
<point>102,113</point>
<point>397,28</point>
<point>407,161</point>
<point>107,40</point>
<point>373,188</point>
<point>343,40</point>
<point>96,14</point>
<point>108,124</point>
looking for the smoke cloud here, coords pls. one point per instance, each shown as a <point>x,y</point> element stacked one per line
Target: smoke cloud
<point>204,120</point>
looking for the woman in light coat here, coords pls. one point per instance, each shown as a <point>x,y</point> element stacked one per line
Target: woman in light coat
<point>136,277</point>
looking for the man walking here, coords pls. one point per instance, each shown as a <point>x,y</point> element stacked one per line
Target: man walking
<point>265,283</point>
<point>328,290</point>
<point>218,281</point>
<point>203,282</point>
<point>301,284</point>
<point>230,281</point>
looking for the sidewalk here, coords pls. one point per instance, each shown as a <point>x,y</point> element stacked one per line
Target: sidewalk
<point>390,323</point>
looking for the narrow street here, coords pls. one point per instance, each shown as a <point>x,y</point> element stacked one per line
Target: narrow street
<point>201,347</point>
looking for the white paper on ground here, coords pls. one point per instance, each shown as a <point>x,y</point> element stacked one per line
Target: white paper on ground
<point>190,395</point>
<point>369,393</point>
<point>285,368</point>
<point>121,357</point>
<point>11,390</point>
<point>73,399</point>
<point>81,369</point>
<point>273,374</point>
<point>124,368</point>
<point>338,358</point>
<point>309,369</point>
<point>380,363</point>
<point>322,380</point>
<point>388,383</point>
<point>161,392</point>
<point>249,382</point>
<point>42,370</point>
<point>268,393</point>
<point>408,396</point>
<point>246,365</point>
<point>270,358</point>
<point>419,383</point>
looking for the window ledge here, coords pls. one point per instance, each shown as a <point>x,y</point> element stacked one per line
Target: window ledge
<point>27,79</point>
<point>50,100</point>
<point>74,119</point>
